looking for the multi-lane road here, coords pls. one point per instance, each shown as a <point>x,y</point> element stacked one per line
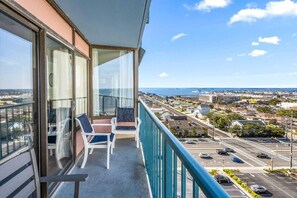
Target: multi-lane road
<point>252,168</point>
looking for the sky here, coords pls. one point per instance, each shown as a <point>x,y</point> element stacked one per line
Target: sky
<point>220,43</point>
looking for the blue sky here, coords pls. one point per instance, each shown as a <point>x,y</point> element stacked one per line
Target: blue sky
<point>220,43</point>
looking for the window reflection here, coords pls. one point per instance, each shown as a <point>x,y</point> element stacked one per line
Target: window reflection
<point>59,98</point>
<point>112,80</point>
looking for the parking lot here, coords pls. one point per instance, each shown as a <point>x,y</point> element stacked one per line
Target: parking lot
<point>277,184</point>
<point>230,188</point>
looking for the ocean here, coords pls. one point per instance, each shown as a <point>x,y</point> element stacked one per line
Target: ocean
<point>198,91</point>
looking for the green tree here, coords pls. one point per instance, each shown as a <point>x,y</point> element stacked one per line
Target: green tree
<point>273,122</point>
<point>264,109</point>
<point>274,101</point>
<point>236,130</point>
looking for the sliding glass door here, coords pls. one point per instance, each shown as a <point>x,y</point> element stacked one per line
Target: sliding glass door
<point>112,80</point>
<point>59,103</point>
<point>17,87</point>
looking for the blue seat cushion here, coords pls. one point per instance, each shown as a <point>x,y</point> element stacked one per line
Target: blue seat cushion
<point>126,128</point>
<point>125,115</point>
<point>101,138</point>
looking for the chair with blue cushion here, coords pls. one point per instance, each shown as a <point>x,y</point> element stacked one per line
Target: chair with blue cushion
<point>94,140</point>
<point>119,126</point>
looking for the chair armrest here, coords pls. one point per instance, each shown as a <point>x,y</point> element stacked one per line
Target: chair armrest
<point>96,134</point>
<point>101,124</point>
<point>65,178</point>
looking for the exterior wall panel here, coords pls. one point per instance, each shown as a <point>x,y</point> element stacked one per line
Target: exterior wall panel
<point>42,10</point>
<point>81,45</point>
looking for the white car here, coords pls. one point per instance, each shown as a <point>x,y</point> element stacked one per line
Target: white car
<point>204,155</point>
<point>258,188</point>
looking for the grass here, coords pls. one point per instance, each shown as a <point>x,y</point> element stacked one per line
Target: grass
<point>242,184</point>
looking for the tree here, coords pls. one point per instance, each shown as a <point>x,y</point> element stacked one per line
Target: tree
<point>273,122</point>
<point>235,130</point>
<point>264,109</point>
<point>274,101</point>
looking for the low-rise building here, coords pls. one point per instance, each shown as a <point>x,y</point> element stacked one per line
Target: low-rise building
<point>242,123</point>
<point>202,110</point>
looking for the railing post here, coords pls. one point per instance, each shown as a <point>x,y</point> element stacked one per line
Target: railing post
<point>195,189</point>
<point>183,181</point>
<point>7,144</point>
<point>174,175</point>
<point>0,136</point>
<point>168,170</point>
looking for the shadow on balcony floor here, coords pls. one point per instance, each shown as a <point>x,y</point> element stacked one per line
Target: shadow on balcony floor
<point>125,178</point>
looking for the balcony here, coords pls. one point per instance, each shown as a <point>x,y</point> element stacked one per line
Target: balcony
<point>171,170</point>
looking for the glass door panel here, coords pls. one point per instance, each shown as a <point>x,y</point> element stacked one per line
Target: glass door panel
<point>59,101</point>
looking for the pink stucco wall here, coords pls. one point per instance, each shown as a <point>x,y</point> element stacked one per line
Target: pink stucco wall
<point>42,10</point>
<point>81,45</point>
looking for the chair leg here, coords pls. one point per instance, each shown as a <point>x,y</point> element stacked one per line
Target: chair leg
<point>114,140</point>
<point>108,155</point>
<point>137,140</point>
<point>85,158</point>
<point>91,151</point>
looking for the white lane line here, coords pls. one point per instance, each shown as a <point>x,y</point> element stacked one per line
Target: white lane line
<point>277,187</point>
<point>265,175</point>
<point>252,175</point>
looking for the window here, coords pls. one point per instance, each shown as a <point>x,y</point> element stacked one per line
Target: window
<point>81,80</point>
<point>17,66</point>
<point>59,103</point>
<point>112,81</point>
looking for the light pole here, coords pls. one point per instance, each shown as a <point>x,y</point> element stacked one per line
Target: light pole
<point>291,144</point>
<point>213,130</point>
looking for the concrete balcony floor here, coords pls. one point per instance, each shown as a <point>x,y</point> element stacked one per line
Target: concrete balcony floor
<point>125,178</point>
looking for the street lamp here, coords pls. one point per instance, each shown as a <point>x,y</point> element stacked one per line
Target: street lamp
<point>291,144</point>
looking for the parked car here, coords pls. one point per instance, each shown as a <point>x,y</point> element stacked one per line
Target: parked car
<point>236,159</point>
<point>221,152</point>
<point>221,178</point>
<point>227,149</point>
<point>258,188</point>
<point>204,155</point>
<point>190,142</point>
<point>262,155</point>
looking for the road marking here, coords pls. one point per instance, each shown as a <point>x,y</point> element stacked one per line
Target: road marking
<point>265,175</point>
<point>278,187</point>
<point>252,175</point>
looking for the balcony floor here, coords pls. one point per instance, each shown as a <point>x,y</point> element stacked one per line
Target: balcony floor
<point>125,178</point>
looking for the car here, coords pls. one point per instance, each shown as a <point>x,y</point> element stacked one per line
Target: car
<point>190,142</point>
<point>222,152</point>
<point>221,178</point>
<point>204,155</point>
<point>227,149</point>
<point>258,188</point>
<point>236,159</point>
<point>262,155</point>
<point>182,140</point>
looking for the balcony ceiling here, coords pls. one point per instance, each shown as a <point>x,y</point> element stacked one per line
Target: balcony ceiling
<point>108,22</point>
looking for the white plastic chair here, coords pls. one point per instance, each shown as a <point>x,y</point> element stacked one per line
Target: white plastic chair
<point>96,140</point>
<point>126,115</point>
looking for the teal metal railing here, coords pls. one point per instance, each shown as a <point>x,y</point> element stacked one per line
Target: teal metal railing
<point>172,170</point>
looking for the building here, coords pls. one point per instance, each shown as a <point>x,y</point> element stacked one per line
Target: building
<point>242,123</point>
<point>180,124</point>
<point>202,110</point>
<point>213,98</point>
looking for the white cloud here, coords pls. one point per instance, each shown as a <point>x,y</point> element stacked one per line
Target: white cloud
<point>293,74</point>
<point>255,43</point>
<point>163,75</point>
<point>208,5</point>
<point>294,34</point>
<point>271,40</point>
<point>229,59</point>
<point>257,52</point>
<point>272,9</point>
<point>180,35</point>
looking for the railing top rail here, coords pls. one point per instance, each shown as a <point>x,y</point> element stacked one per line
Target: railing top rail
<point>208,185</point>
<point>15,105</point>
